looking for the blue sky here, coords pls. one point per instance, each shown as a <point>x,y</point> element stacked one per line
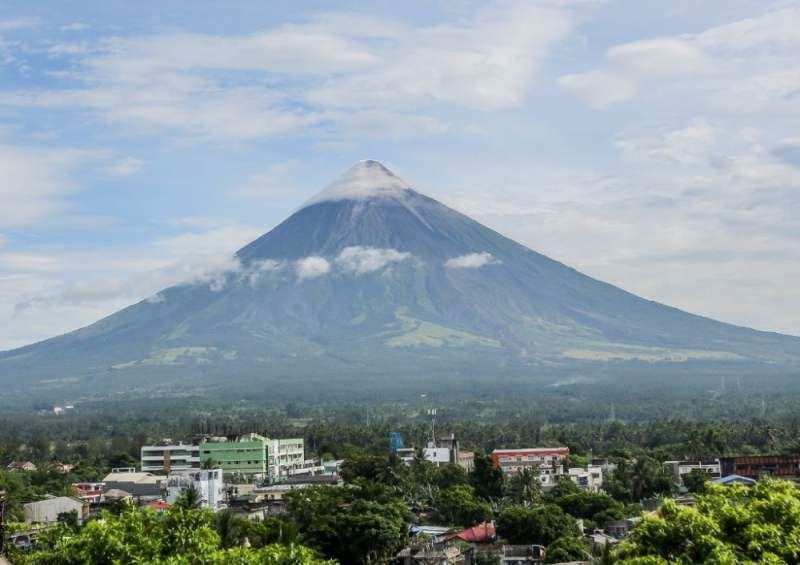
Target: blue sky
<point>652,145</point>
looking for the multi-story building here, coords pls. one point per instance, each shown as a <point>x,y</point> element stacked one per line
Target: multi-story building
<point>246,455</point>
<point>545,460</point>
<point>679,469</point>
<point>589,479</point>
<point>759,466</point>
<point>548,463</point>
<point>286,456</point>
<point>209,484</point>
<point>251,455</point>
<point>168,456</point>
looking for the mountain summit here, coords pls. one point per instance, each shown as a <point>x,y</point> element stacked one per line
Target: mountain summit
<point>372,278</point>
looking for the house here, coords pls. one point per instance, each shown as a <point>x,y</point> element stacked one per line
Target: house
<point>481,533</point>
<point>729,480</point>
<point>547,462</point>
<point>137,484</point>
<point>116,495</point>
<point>89,492</point>
<point>589,479</point>
<point>466,460</point>
<point>598,540</point>
<point>785,467</point>
<point>48,510</point>
<point>522,554</point>
<point>21,466</point>
<point>63,468</point>
<point>436,553</point>
<point>619,528</point>
<point>679,469</point>
<point>208,483</point>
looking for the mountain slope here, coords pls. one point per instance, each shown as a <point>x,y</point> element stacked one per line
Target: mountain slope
<point>371,276</point>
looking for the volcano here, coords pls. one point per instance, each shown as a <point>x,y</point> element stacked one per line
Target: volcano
<point>371,277</point>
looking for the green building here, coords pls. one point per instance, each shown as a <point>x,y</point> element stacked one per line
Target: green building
<point>254,455</point>
<point>247,455</point>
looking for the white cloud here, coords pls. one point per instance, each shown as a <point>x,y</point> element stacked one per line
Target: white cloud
<point>17,24</point>
<point>598,89</point>
<point>274,183</point>
<point>689,145</point>
<point>125,167</point>
<point>471,261</point>
<point>51,291</point>
<point>75,26</point>
<point>360,75</point>
<point>740,66</point>
<point>35,182</point>
<point>312,267</point>
<point>361,260</point>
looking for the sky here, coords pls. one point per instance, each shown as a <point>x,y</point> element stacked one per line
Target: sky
<point>652,145</point>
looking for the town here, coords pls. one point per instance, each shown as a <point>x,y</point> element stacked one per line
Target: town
<point>256,479</point>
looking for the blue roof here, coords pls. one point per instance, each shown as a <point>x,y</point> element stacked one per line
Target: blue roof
<point>734,479</point>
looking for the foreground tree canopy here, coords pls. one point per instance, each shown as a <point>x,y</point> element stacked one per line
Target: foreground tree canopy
<point>729,525</point>
<point>180,536</point>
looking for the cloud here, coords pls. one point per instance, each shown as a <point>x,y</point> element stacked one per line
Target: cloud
<point>35,182</point>
<point>254,272</point>
<point>742,65</point>
<point>17,24</point>
<point>312,267</point>
<point>689,145</point>
<point>51,291</point>
<point>361,260</point>
<point>75,27</point>
<point>598,89</point>
<point>471,261</point>
<point>332,74</point>
<point>274,183</point>
<point>125,167</point>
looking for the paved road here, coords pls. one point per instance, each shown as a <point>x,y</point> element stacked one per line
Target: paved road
<point>4,561</point>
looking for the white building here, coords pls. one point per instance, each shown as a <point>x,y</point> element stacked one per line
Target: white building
<point>208,482</point>
<point>169,456</point>
<point>680,469</point>
<point>589,479</point>
<point>286,456</point>
<point>439,456</point>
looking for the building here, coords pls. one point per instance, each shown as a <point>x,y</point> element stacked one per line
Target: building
<point>245,456</point>
<point>89,492</point>
<point>48,510</point>
<point>619,528</point>
<point>137,484</point>
<point>21,466</point>
<point>209,484</point>
<point>589,479</point>
<point>522,554</point>
<point>436,553</point>
<point>255,456</point>
<point>466,460</point>
<point>730,480</point>
<point>167,457</point>
<point>286,457</point>
<point>63,468</point>
<point>679,469</point>
<point>758,466</point>
<point>547,462</point>
<point>406,454</point>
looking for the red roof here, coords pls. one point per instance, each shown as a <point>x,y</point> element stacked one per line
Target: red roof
<point>158,505</point>
<point>482,533</point>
